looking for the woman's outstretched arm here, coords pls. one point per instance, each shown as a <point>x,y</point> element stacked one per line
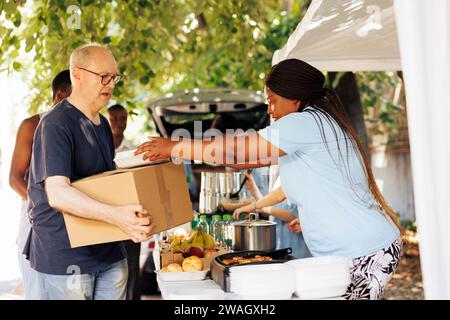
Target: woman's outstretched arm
<point>240,151</point>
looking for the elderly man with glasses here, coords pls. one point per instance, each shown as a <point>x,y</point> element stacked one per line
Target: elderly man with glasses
<point>74,141</point>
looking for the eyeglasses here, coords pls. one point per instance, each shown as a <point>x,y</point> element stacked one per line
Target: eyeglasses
<point>106,79</point>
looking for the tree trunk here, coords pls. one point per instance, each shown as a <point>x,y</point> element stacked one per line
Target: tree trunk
<point>347,90</point>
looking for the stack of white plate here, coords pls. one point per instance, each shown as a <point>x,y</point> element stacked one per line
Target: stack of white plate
<point>264,281</point>
<point>321,277</point>
<point>127,159</point>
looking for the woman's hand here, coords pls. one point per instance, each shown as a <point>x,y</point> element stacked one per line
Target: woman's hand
<point>155,149</point>
<point>247,209</point>
<point>294,226</point>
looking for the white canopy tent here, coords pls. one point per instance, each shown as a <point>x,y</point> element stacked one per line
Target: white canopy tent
<point>363,35</point>
<point>337,35</point>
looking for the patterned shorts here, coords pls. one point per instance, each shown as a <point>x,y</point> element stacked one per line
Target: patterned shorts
<point>370,274</point>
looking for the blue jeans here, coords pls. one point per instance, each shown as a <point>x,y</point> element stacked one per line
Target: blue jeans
<point>29,278</point>
<point>108,284</point>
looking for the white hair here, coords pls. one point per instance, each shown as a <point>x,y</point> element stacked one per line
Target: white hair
<point>81,54</point>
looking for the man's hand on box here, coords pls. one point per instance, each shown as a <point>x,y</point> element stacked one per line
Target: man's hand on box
<point>155,149</point>
<point>135,221</point>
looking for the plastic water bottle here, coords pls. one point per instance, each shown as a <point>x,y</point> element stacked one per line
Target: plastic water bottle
<point>216,229</point>
<point>228,230</point>
<point>203,223</point>
<point>194,221</point>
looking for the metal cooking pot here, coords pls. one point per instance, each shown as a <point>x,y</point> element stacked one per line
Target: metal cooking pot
<point>254,234</point>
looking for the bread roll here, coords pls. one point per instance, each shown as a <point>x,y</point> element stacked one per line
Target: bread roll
<point>174,267</point>
<point>192,263</point>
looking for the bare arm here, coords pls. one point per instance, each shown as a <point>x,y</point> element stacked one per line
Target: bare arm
<point>270,199</point>
<point>244,151</point>
<point>133,219</point>
<point>251,186</point>
<point>282,214</point>
<point>21,158</point>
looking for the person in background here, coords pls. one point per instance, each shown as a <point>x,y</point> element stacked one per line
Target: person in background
<point>74,141</point>
<point>18,174</point>
<point>117,117</point>
<point>282,213</point>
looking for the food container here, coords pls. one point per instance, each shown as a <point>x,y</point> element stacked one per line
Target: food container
<point>263,282</point>
<point>220,271</point>
<point>321,277</point>
<point>254,234</point>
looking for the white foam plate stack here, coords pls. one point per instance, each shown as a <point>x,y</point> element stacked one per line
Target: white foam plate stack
<point>127,159</point>
<point>263,281</point>
<point>321,277</point>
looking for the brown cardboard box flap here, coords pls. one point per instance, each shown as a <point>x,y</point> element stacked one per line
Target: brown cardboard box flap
<point>121,170</point>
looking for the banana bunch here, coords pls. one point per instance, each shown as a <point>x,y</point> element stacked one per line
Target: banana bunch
<point>198,238</point>
<point>208,240</point>
<point>175,245</point>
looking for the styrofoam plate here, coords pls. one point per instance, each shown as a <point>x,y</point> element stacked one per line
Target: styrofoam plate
<point>127,159</point>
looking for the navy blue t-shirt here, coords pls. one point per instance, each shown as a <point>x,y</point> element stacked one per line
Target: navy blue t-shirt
<point>66,143</point>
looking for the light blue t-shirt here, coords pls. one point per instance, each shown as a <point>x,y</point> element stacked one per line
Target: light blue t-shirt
<point>288,239</point>
<point>338,213</point>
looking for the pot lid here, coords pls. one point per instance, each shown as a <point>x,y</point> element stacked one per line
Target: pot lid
<point>254,223</point>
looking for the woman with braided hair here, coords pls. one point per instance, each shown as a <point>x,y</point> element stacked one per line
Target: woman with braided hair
<point>323,170</point>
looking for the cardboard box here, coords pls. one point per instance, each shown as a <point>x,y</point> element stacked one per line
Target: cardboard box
<point>160,188</point>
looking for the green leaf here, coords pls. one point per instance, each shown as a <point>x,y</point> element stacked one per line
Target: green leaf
<point>106,40</point>
<point>17,19</point>
<point>29,44</point>
<point>143,46</point>
<point>144,80</point>
<point>9,7</point>
<point>146,33</point>
<point>17,66</point>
